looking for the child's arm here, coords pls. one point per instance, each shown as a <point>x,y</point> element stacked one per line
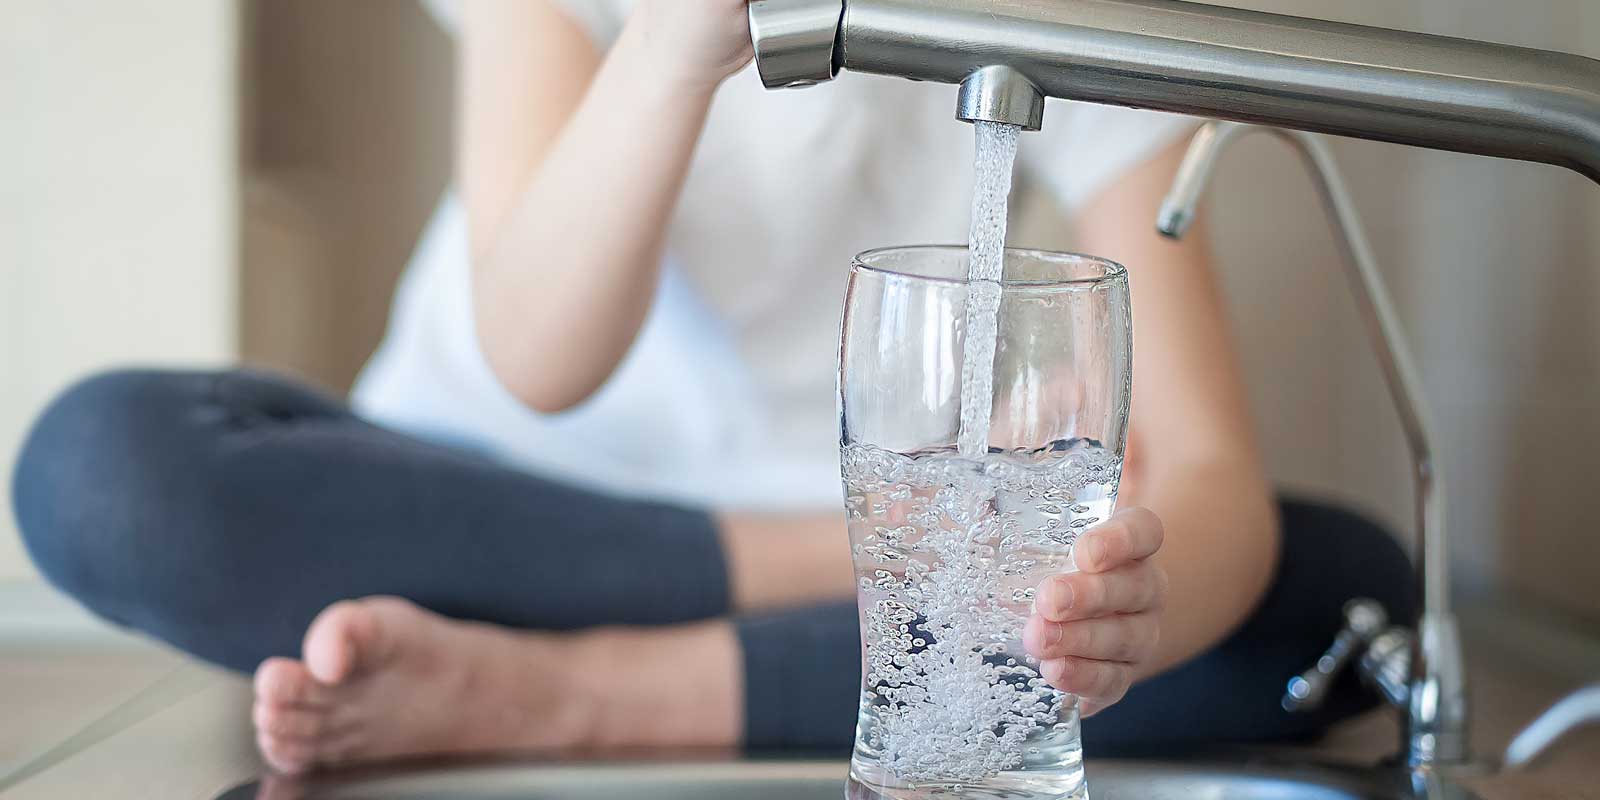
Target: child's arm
<point>1192,460</point>
<point>570,165</point>
<point>1194,456</point>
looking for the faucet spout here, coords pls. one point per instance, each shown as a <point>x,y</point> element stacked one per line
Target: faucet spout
<point>1001,94</point>
<point>1576,710</point>
<point>1223,63</point>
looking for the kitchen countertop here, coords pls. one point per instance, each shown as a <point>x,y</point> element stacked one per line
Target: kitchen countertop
<point>184,729</point>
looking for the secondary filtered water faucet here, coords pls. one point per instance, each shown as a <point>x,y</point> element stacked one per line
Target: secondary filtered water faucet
<point>1208,61</point>
<point>1422,671</point>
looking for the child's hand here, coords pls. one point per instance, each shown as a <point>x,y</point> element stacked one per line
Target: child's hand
<point>701,41</point>
<point>1092,629</point>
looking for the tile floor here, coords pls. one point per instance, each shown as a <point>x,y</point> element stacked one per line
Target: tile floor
<point>161,727</point>
<point>144,722</point>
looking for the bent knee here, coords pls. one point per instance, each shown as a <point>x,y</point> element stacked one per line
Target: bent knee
<point>1350,555</point>
<point>93,465</point>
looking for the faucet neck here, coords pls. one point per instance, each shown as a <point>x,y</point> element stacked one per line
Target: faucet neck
<point>1191,58</point>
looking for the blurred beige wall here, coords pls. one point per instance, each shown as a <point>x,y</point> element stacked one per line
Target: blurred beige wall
<point>117,187</point>
<point>1495,268</point>
<point>347,150</point>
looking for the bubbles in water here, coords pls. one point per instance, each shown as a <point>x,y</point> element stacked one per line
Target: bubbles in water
<point>950,550</point>
<point>950,695</point>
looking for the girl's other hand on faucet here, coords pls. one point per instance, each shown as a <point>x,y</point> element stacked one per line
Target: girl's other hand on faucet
<point>1092,630</point>
<point>698,42</point>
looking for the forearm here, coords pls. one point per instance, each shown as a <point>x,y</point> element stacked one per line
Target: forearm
<point>563,288</point>
<point>1220,553</point>
<point>1192,457</point>
<point>786,561</point>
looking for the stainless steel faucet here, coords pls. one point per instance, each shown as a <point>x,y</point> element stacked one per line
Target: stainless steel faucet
<point>1431,682</point>
<point>1422,672</point>
<point>1247,69</point>
<point>1244,66</point>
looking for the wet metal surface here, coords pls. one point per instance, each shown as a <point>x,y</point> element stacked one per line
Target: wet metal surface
<point>199,746</point>
<point>1108,780</point>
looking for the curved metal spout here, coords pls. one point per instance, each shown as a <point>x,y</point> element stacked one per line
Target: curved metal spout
<point>1575,711</point>
<point>1208,61</point>
<point>1001,94</point>
<point>1438,728</point>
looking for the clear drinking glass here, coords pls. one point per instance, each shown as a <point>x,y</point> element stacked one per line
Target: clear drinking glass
<point>948,550</point>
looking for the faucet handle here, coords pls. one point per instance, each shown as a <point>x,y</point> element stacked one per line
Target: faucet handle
<point>1364,620</point>
<point>1386,665</point>
<point>796,41</point>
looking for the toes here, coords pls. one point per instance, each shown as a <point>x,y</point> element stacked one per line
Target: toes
<point>286,682</point>
<point>289,756</point>
<point>329,650</point>
<point>283,722</point>
<point>344,747</point>
<point>349,636</point>
<point>286,734</point>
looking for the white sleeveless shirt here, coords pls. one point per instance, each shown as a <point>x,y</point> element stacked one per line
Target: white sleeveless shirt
<point>727,399</point>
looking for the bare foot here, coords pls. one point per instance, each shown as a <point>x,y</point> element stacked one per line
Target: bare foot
<point>385,679</point>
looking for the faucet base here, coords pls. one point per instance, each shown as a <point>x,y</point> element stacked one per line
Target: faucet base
<point>1437,729</point>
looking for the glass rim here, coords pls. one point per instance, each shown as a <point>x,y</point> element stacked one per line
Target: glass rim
<point>1113,271</point>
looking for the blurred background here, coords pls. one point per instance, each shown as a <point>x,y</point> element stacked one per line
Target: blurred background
<point>197,182</point>
<point>203,182</point>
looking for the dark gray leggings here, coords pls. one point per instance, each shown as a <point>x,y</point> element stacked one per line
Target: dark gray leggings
<point>220,512</point>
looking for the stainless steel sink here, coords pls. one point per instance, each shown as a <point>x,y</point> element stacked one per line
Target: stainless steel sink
<point>824,780</point>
